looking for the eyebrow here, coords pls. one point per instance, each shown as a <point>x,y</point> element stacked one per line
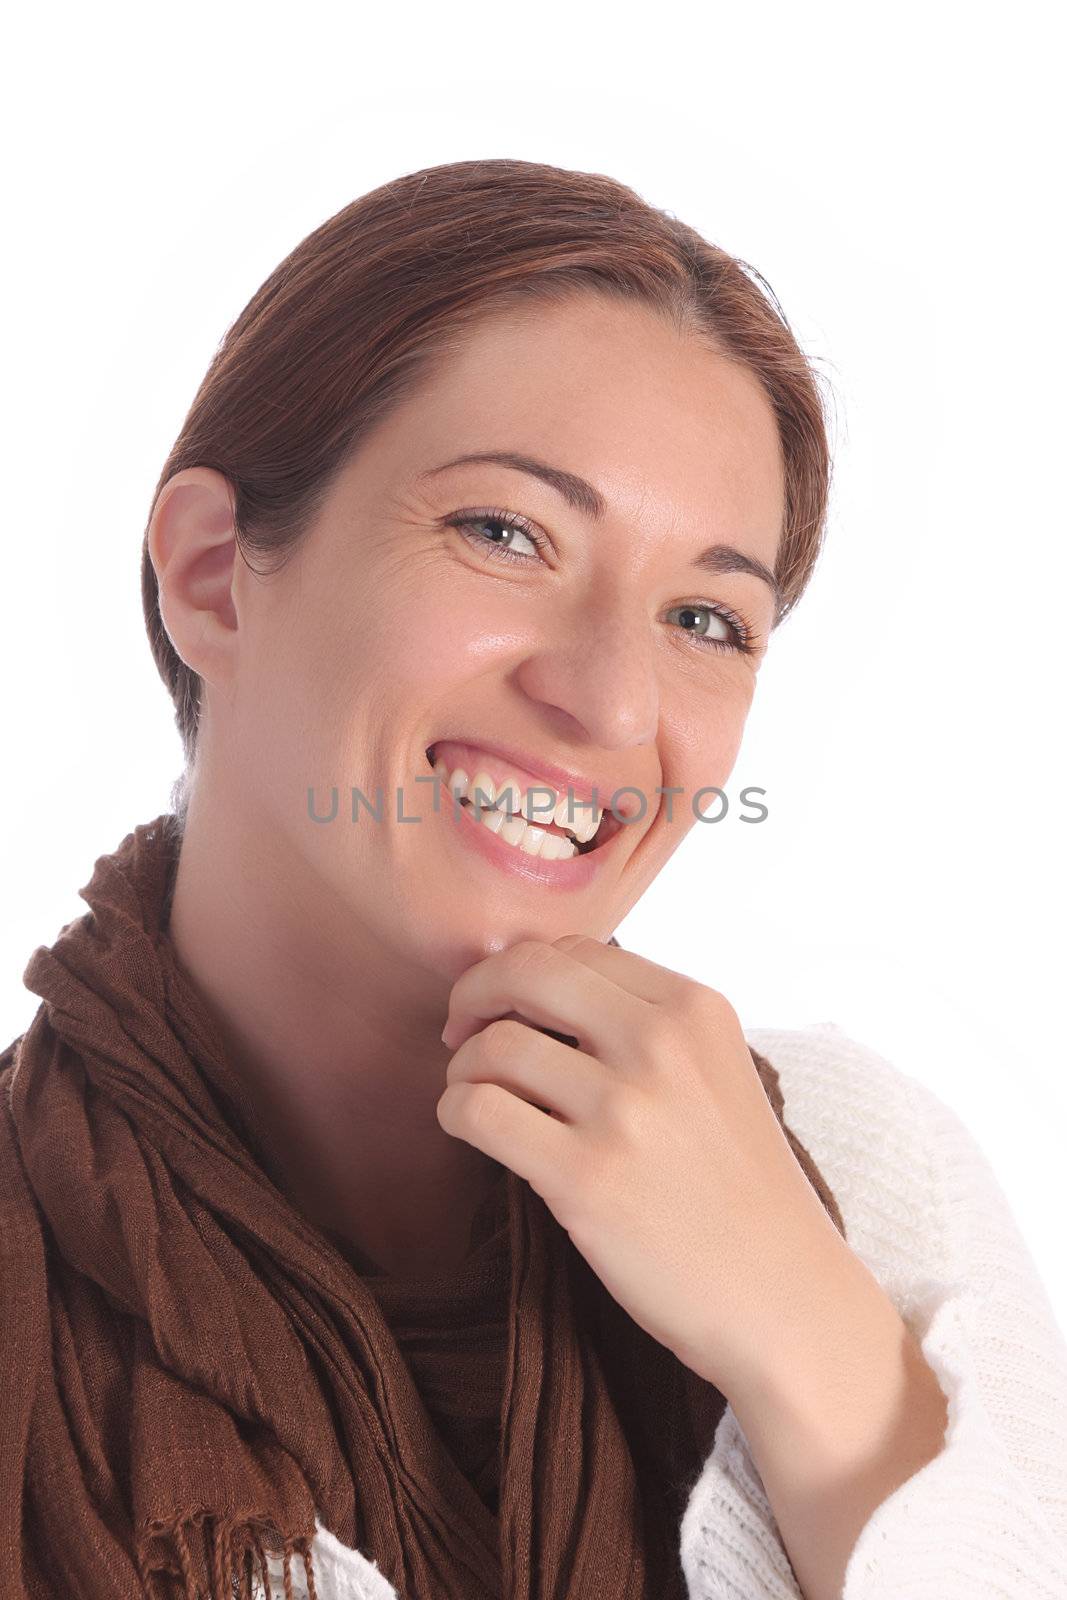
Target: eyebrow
<point>584,497</point>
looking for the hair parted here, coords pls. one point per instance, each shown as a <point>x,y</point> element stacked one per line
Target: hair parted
<point>370,302</point>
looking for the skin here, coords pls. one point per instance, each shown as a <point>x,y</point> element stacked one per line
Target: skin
<point>333,954</point>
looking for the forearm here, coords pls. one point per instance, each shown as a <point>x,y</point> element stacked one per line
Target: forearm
<point>843,1412</point>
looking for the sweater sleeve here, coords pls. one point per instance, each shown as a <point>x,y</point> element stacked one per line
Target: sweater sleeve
<point>922,1208</point>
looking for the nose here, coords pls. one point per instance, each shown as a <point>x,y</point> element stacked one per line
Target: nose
<point>596,674</point>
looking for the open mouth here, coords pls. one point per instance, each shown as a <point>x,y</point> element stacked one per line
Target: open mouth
<point>527,819</point>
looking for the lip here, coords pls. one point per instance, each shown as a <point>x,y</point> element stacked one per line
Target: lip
<point>576,872</point>
<point>560,778</point>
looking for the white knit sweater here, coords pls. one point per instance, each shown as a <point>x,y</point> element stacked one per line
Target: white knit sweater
<point>988,1516</point>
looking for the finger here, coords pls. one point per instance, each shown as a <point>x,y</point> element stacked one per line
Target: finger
<point>548,988</point>
<point>552,1076</point>
<point>508,1129</point>
<point>657,985</point>
<point>638,976</point>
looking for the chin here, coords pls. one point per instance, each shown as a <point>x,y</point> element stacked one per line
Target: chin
<point>461,947</point>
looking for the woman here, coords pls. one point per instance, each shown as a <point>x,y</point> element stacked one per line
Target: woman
<point>374,1223</point>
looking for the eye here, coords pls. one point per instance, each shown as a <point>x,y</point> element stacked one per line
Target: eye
<point>716,627</point>
<point>509,529</point>
<point>711,627</point>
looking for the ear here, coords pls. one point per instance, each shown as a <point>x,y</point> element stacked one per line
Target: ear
<point>193,548</point>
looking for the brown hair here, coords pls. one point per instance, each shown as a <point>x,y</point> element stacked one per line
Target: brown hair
<point>373,300</point>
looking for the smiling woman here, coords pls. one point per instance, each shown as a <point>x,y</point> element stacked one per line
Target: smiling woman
<point>374,1224</point>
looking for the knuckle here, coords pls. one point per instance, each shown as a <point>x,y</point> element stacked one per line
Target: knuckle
<point>500,1040</point>
<point>530,955</point>
<point>704,1007</point>
<point>724,1021</point>
<point>460,989</point>
<point>626,1115</point>
<point>481,1106</point>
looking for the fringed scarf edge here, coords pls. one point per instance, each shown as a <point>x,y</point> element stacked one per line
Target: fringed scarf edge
<point>232,1553</point>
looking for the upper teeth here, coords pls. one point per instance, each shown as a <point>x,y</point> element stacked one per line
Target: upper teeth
<point>507,808</point>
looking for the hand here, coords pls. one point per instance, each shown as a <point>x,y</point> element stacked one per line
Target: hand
<point>653,1144</point>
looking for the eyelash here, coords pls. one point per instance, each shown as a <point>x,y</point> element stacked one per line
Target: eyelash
<point>745,642</point>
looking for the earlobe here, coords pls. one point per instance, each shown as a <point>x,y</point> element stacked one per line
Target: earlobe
<point>192,545</point>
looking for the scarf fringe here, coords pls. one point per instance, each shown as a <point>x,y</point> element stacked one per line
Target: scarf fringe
<point>234,1555</point>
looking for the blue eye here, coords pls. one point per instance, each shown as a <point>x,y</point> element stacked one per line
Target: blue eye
<point>510,526</point>
<point>742,637</point>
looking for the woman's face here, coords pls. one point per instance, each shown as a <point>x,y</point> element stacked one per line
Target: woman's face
<point>585,641</point>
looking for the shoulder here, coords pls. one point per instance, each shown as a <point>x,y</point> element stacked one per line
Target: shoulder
<point>867,1126</point>
<point>9,1161</point>
<point>834,1080</point>
<point>920,1201</point>
<point>853,1103</point>
<point>871,1128</point>
<point>923,1209</point>
<point>8,1057</point>
<point>8,1066</point>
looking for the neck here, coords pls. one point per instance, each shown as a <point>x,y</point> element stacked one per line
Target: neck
<point>338,1040</point>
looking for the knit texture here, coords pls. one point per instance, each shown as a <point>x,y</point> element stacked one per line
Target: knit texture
<point>921,1207</point>
<point>923,1210</point>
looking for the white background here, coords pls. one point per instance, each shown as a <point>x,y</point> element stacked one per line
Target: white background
<point>896,174</point>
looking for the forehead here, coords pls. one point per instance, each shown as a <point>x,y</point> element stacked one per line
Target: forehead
<point>670,431</point>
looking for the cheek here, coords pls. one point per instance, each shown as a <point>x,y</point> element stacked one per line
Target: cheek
<point>383,651</point>
<point>706,738</point>
<point>410,650</point>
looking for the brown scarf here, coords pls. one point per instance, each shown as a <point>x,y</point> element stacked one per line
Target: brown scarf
<point>189,1370</point>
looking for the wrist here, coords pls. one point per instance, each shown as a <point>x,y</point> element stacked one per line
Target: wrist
<point>840,1374</point>
<point>841,1413</point>
<point>810,1287</point>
